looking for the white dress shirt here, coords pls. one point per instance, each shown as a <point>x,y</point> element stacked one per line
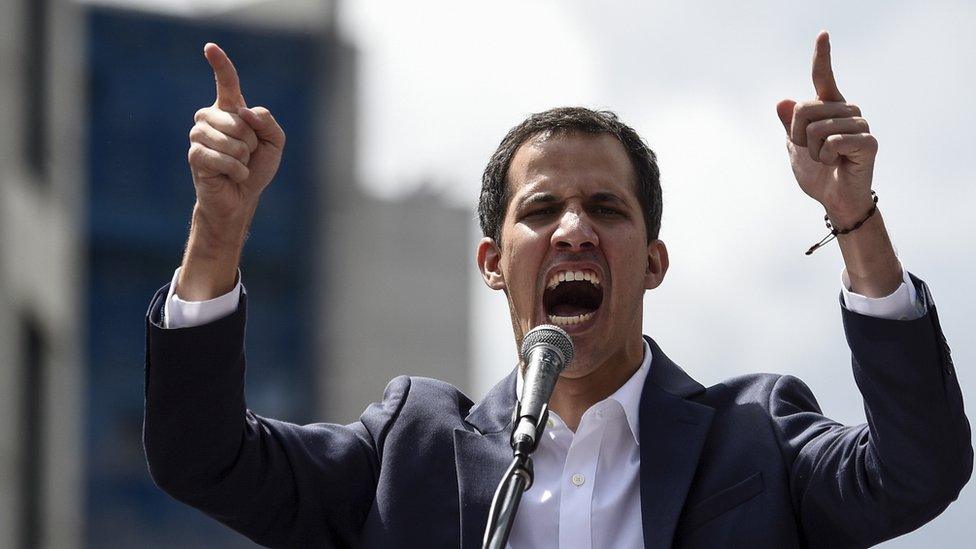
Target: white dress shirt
<point>586,492</point>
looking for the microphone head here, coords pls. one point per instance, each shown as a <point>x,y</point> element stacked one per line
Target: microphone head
<point>552,336</point>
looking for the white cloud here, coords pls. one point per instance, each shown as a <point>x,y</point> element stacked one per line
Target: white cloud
<point>443,81</point>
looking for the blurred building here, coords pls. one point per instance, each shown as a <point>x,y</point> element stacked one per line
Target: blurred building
<point>42,275</point>
<point>399,299</point>
<point>345,291</point>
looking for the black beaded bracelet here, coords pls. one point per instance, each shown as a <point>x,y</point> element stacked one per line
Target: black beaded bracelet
<point>834,231</point>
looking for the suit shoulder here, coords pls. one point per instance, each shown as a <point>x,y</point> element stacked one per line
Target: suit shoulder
<point>433,399</point>
<point>759,388</point>
<point>420,407</point>
<point>408,394</point>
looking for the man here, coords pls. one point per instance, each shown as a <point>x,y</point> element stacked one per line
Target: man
<point>637,453</point>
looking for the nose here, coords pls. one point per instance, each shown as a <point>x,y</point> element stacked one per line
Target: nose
<point>575,232</point>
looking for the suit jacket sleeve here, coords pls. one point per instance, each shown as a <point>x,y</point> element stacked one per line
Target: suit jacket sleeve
<point>855,486</point>
<point>278,483</point>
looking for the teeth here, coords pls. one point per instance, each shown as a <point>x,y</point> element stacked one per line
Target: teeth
<point>588,276</point>
<point>569,320</point>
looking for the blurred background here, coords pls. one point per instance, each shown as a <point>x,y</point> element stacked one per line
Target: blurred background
<point>360,265</point>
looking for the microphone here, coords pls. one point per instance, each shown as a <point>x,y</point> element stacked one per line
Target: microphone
<point>546,351</point>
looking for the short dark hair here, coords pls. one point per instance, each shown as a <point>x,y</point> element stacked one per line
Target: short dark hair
<point>565,120</point>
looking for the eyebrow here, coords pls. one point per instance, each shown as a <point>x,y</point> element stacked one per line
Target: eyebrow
<point>607,197</point>
<point>602,197</point>
<point>536,198</point>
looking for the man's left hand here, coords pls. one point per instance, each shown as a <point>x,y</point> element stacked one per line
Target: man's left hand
<point>831,148</point>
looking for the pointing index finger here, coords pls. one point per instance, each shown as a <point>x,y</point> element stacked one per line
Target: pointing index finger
<point>823,72</point>
<point>229,96</point>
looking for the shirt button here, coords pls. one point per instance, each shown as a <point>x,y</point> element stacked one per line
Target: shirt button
<point>578,479</point>
<point>550,423</point>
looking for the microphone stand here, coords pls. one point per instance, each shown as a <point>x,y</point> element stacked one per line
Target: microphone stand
<point>516,480</point>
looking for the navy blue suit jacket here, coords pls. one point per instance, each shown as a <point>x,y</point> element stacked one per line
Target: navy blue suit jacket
<point>750,462</point>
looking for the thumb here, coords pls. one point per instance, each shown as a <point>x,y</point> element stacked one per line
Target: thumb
<point>264,125</point>
<point>785,111</point>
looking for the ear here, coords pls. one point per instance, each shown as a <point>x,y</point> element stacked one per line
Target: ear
<point>657,264</point>
<point>489,263</point>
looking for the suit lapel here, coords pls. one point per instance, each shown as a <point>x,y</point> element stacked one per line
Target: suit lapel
<point>672,432</point>
<point>482,455</point>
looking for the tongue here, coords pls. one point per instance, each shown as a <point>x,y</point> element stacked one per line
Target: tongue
<point>565,309</point>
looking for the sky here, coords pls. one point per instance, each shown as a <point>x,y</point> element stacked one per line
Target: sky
<point>442,81</point>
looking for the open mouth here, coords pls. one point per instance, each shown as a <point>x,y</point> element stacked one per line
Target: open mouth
<point>572,297</point>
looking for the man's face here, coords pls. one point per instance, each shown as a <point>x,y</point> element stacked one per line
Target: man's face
<point>574,248</point>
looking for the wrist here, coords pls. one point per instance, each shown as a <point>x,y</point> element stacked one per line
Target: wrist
<point>203,278</point>
<point>872,266</point>
<point>835,227</point>
<point>209,267</point>
<point>217,237</point>
<point>846,215</point>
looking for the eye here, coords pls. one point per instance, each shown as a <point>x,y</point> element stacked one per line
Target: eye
<point>606,211</point>
<point>541,212</point>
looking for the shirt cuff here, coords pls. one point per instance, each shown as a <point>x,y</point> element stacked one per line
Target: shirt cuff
<point>902,304</point>
<point>188,314</point>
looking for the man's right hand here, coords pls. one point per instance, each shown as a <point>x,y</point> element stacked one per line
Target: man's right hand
<point>234,153</point>
<point>234,150</point>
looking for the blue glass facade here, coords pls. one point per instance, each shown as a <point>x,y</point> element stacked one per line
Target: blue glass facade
<point>147,78</point>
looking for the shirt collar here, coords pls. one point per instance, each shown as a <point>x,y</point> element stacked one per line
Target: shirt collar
<point>628,395</point>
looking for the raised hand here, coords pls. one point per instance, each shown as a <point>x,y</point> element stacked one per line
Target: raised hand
<point>831,149</point>
<point>234,150</point>
<point>234,153</point>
